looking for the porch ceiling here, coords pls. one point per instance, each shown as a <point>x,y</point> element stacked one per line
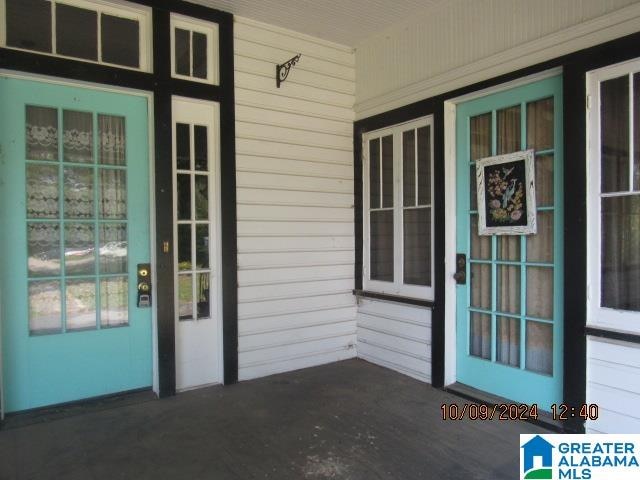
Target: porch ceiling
<point>341,21</point>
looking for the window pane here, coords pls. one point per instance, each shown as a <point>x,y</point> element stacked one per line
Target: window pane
<point>184,247</point>
<point>41,133</point>
<point>114,302</point>
<point>29,24</point>
<point>387,171</point>
<point>111,135</point>
<point>382,245</point>
<point>540,124</point>
<point>45,307</point>
<point>508,286</point>
<point>409,168</point>
<point>508,134</point>
<point>508,247</point>
<point>120,40</point>
<point>182,51</point>
<point>620,255</point>
<point>202,197</point>
<point>636,131</point>
<point>78,192</point>
<point>480,335</point>
<point>42,191</point>
<point>480,133</point>
<point>199,55</point>
<point>76,32</point>
<point>540,292</point>
<point>544,181</point>
<point>480,245</point>
<point>473,188</point>
<point>185,297</point>
<point>113,194</point>
<point>113,248</point>
<point>540,245</point>
<point>81,304</point>
<point>77,137</point>
<point>183,147</point>
<point>508,341</point>
<point>200,146</point>
<point>539,353</point>
<point>614,142</point>
<point>481,285</point>
<point>79,248</point>
<point>424,166</point>
<point>43,241</point>
<point>374,173</point>
<point>184,197</point>
<point>202,246</point>
<point>202,290</point>
<point>417,246</point>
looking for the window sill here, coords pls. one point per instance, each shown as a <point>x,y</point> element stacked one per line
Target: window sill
<point>612,334</point>
<point>395,298</point>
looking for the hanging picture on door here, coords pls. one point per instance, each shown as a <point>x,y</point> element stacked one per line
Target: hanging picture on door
<point>506,194</point>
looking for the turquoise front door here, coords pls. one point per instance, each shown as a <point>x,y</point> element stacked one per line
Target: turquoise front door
<point>509,314</point>
<point>74,204</point>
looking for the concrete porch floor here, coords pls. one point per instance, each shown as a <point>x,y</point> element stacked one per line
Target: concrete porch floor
<point>349,420</point>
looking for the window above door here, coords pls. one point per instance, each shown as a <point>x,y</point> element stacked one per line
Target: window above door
<point>110,33</point>
<point>398,210</point>
<point>194,50</point>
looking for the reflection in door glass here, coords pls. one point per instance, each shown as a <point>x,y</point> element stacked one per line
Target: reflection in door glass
<point>78,192</point>
<point>42,133</point>
<point>114,302</point>
<point>42,191</point>
<point>45,307</point>
<point>77,145</point>
<point>43,240</point>
<point>202,287</point>
<point>81,304</point>
<point>185,296</point>
<point>79,249</point>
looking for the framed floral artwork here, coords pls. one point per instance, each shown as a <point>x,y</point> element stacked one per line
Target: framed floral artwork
<point>506,194</point>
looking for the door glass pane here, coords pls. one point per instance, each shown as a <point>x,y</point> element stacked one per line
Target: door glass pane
<point>417,246</point>
<point>614,128</point>
<point>409,168</point>
<point>183,147</point>
<point>199,55</point>
<point>540,245</point>
<point>480,136</point>
<point>112,138</point>
<point>45,307</point>
<point>41,133</point>
<point>473,190</point>
<point>480,245</point>
<point>77,137</point>
<point>113,194</point>
<point>636,131</point>
<point>540,292</point>
<point>620,254</point>
<point>44,249</point>
<point>382,245</point>
<point>424,166</point>
<point>387,171</point>
<point>79,245</point>
<point>539,349</point>
<point>202,197</point>
<point>120,40</point>
<point>78,192</point>
<point>480,335</point>
<point>202,289</point>
<point>544,180</point>
<point>185,297</point>
<point>508,341</point>
<point>114,302</point>
<point>28,24</point>
<point>508,247</point>
<point>113,248</point>
<point>184,197</point>
<point>508,134</point>
<point>184,247</point>
<point>481,285</point>
<point>202,246</point>
<point>374,173</point>
<point>508,284</point>
<point>540,124</point>
<point>76,32</point>
<point>81,304</point>
<point>200,147</point>
<point>42,191</point>
<point>182,51</point>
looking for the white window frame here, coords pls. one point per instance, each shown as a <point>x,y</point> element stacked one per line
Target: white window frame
<point>116,8</point>
<point>211,30</point>
<point>598,316</point>
<point>397,287</point>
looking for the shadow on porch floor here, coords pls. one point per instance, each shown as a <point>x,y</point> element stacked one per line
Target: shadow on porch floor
<point>347,420</point>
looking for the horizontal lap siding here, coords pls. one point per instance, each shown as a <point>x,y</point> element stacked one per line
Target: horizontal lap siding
<point>613,383</point>
<point>396,336</point>
<point>294,172</point>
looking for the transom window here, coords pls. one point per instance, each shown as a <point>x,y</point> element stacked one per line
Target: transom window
<point>194,49</point>
<point>614,196</point>
<point>109,33</point>
<point>398,206</point>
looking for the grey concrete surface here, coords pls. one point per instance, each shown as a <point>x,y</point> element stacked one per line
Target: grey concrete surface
<point>349,420</point>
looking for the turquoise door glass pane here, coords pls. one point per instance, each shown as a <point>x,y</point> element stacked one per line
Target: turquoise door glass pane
<point>74,201</point>
<point>509,314</point>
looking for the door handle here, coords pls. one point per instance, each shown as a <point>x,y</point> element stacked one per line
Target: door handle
<point>461,269</point>
<point>144,285</point>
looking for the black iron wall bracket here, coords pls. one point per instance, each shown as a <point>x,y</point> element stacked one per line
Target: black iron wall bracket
<point>282,71</point>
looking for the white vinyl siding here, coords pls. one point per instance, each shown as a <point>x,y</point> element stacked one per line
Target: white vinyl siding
<point>395,336</point>
<point>294,164</point>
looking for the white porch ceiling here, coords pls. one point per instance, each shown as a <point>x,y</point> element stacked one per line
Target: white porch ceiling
<point>341,21</point>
